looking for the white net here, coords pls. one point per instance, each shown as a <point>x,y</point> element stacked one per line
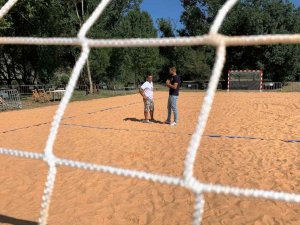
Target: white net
<point>188,180</point>
<point>244,80</point>
<point>245,75</point>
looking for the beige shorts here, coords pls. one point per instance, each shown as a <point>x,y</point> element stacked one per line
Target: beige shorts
<point>149,105</point>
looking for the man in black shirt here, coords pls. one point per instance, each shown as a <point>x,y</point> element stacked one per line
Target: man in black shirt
<point>173,83</point>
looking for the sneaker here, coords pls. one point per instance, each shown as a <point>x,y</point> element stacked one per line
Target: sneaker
<point>146,121</point>
<point>173,124</point>
<point>167,122</point>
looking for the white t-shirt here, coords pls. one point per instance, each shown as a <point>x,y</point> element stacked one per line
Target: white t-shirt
<point>148,89</point>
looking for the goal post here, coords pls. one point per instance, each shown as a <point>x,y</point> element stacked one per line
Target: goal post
<point>245,80</point>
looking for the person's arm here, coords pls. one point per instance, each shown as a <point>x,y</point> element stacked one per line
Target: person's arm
<point>142,92</point>
<point>174,86</point>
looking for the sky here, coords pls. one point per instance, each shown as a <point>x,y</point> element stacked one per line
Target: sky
<point>164,9</point>
<point>171,9</point>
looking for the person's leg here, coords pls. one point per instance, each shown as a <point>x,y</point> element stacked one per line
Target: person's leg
<point>174,108</point>
<point>146,110</point>
<point>146,115</point>
<point>152,115</point>
<point>169,110</point>
<point>152,110</point>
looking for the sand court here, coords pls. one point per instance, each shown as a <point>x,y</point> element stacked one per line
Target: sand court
<point>246,144</point>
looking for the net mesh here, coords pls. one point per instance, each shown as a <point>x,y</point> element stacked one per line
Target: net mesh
<point>244,76</point>
<point>244,80</point>
<point>188,180</point>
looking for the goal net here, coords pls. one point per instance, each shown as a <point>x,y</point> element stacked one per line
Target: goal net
<point>187,179</point>
<point>245,80</point>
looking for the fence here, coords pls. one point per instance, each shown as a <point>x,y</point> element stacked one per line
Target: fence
<point>10,99</point>
<point>278,86</point>
<point>121,90</point>
<point>114,90</point>
<point>272,86</point>
<point>108,90</point>
<point>27,89</point>
<point>291,87</point>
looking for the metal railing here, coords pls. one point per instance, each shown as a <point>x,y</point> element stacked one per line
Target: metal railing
<point>121,90</point>
<point>291,87</point>
<point>10,99</point>
<point>272,86</point>
<point>27,89</point>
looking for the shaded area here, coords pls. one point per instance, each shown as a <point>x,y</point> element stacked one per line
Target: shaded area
<point>15,221</point>
<point>142,120</point>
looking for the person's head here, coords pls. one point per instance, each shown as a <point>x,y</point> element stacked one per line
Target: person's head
<point>172,70</point>
<point>149,77</point>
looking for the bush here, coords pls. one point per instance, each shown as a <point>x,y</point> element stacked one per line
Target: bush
<point>64,79</point>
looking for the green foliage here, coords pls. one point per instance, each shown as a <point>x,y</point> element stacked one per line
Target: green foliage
<point>125,19</point>
<point>248,17</point>
<point>190,62</point>
<point>28,64</point>
<point>280,62</point>
<point>132,64</point>
<point>64,79</point>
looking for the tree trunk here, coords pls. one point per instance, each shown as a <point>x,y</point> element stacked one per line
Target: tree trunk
<point>82,10</point>
<point>89,76</point>
<point>87,62</point>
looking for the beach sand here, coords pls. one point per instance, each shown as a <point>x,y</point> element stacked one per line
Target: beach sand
<point>109,132</point>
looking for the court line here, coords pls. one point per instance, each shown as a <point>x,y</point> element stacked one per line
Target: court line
<point>69,117</point>
<point>181,133</point>
<point>75,116</point>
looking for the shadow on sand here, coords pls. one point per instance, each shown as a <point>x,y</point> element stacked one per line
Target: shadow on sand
<point>14,221</point>
<point>142,120</point>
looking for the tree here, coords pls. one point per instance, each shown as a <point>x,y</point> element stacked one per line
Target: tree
<point>29,64</point>
<point>280,62</point>
<point>132,64</point>
<point>194,18</point>
<point>107,23</point>
<point>51,18</point>
<point>190,62</point>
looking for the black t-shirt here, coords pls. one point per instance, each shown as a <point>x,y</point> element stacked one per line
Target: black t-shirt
<point>174,79</point>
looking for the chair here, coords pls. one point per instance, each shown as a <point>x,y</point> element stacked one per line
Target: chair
<point>35,95</point>
<point>44,95</point>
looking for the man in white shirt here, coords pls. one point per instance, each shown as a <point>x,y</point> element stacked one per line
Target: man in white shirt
<point>146,91</point>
